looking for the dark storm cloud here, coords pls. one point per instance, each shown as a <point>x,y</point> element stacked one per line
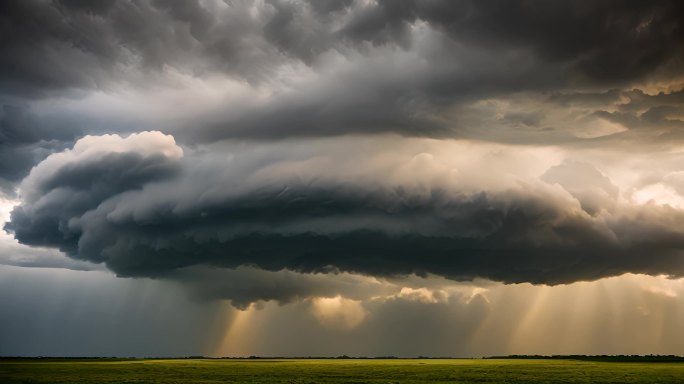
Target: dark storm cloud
<point>135,206</point>
<point>26,139</point>
<point>604,41</point>
<point>49,47</point>
<point>522,240</point>
<point>609,41</point>
<point>408,62</point>
<point>80,179</point>
<point>473,51</point>
<point>601,41</point>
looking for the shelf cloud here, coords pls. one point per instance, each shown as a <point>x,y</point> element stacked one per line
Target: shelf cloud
<point>146,207</point>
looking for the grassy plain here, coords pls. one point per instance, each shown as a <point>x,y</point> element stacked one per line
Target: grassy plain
<point>336,371</point>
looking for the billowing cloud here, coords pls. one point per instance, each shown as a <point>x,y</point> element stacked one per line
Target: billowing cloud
<point>16,254</point>
<point>79,179</point>
<point>145,207</point>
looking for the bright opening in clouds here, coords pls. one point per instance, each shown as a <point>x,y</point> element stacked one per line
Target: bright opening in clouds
<point>436,178</point>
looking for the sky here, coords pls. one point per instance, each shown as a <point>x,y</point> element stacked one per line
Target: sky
<point>320,178</point>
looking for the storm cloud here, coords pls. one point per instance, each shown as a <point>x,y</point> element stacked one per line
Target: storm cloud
<point>283,150</point>
<point>596,42</point>
<point>147,208</point>
<point>343,67</point>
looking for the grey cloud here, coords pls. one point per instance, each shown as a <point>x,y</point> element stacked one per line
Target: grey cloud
<point>409,62</point>
<point>26,139</point>
<point>608,42</point>
<point>649,119</point>
<point>615,119</point>
<point>327,6</point>
<point>272,216</point>
<point>604,42</point>
<point>342,106</point>
<point>13,253</point>
<point>627,100</point>
<point>51,47</point>
<point>80,179</point>
<point>661,121</point>
<point>589,99</point>
<point>19,255</point>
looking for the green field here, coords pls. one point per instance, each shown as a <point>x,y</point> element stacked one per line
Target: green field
<point>334,371</point>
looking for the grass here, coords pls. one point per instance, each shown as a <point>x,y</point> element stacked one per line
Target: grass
<point>336,371</point>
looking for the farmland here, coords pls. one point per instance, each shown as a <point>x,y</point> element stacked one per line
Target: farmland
<point>335,370</point>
